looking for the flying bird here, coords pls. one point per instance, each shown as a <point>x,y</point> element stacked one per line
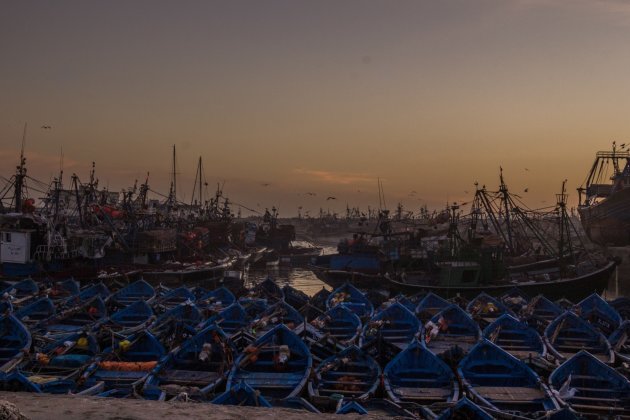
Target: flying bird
<point>465,192</point>
<point>526,189</point>
<point>527,169</point>
<point>46,127</point>
<point>310,193</point>
<point>265,184</point>
<point>331,198</point>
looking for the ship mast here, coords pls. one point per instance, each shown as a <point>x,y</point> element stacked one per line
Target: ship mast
<point>20,175</point>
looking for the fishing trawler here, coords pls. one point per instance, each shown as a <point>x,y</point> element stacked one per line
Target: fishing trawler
<point>604,202</point>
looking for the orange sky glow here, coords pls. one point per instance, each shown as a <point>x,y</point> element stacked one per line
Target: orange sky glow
<point>283,98</point>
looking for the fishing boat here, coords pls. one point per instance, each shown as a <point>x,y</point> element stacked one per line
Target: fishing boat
<point>62,290</point>
<point>591,387</point>
<point>127,363</point>
<point>604,202</point>
<point>568,334</point>
<point>174,297</point>
<point>138,290</point>
<point>98,289</point>
<point>465,409</point>
<point>540,312</point>
<point>395,325</point>
<point>340,324</point>
<point>56,367</point>
<point>84,316</point>
<point>231,320</point>
<point>451,333</point>
<point>599,313</point>
<point>215,300</point>
<point>485,309</point>
<point>499,381</point>
<point>515,337</point>
<point>353,299</point>
<point>277,364</point>
<point>130,319</point>
<point>242,394</point>
<point>176,323</point>
<point>295,297</point>
<point>318,300</point>
<point>21,292</point>
<point>418,376</point>
<point>280,313</point>
<point>622,306</point>
<point>196,368</point>
<point>403,300</point>
<point>15,342</point>
<point>353,373</point>
<point>620,342</point>
<point>430,305</point>
<point>515,299</point>
<point>36,311</point>
<point>267,289</point>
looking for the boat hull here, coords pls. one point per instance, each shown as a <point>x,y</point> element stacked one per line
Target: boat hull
<point>608,222</point>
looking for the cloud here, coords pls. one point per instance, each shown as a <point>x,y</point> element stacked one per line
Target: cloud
<point>342,178</point>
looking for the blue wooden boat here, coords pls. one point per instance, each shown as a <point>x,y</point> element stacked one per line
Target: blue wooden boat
<point>395,325</point>
<point>340,324</point>
<point>15,381</point>
<point>568,334</point>
<point>216,300</point>
<point>269,290</point>
<point>405,301</point>
<point>540,312</point>
<point>599,313</point>
<point>456,333</point>
<point>21,291</point>
<point>138,290</point>
<point>277,364</point>
<point>231,320</point>
<point>127,363</point>
<point>280,313</point>
<point>61,290</point>
<point>418,376</point>
<point>36,311</point>
<point>330,333</point>
<point>197,367</point>
<point>352,373</point>
<point>620,342</point>
<point>254,306</point>
<point>318,300</point>
<point>430,305</point>
<point>174,297</point>
<point>82,317</point>
<point>98,289</point>
<point>294,297</point>
<point>353,299</point>
<point>622,306</point>
<point>131,318</point>
<point>177,323</point>
<point>56,367</point>
<point>516,338</point>
<point>377,407</point>
<point>242,394</point>
<point>15,342</point>
<point>499,381</point>
<point>590,386</point>
<point>465,409</point>
<point>515,299</point>
<point>485,309</point>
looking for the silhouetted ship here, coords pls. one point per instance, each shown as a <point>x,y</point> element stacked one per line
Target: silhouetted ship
<point>604,206</point>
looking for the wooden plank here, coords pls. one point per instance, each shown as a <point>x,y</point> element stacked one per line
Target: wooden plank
<point>501,393</point>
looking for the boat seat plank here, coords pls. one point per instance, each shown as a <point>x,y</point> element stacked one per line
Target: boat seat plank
<point>505,393</point>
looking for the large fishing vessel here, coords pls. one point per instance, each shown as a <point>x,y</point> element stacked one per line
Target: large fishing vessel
<point>605,199</point>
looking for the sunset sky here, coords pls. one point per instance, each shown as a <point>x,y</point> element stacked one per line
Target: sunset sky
<point>317,96</point>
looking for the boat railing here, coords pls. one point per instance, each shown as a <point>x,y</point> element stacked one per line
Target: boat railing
<point>52,252</point>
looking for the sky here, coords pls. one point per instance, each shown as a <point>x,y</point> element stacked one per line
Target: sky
<point>287,97</point>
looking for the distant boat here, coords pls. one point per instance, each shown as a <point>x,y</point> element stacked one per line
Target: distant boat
<point>452,333</point>
<point>395,325</point>
<point>516,338</point>
<point>430,305</point>
<point>599,313</point>
<point>138,290</point>
<point>353,299</point>
<point>604,202</point>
